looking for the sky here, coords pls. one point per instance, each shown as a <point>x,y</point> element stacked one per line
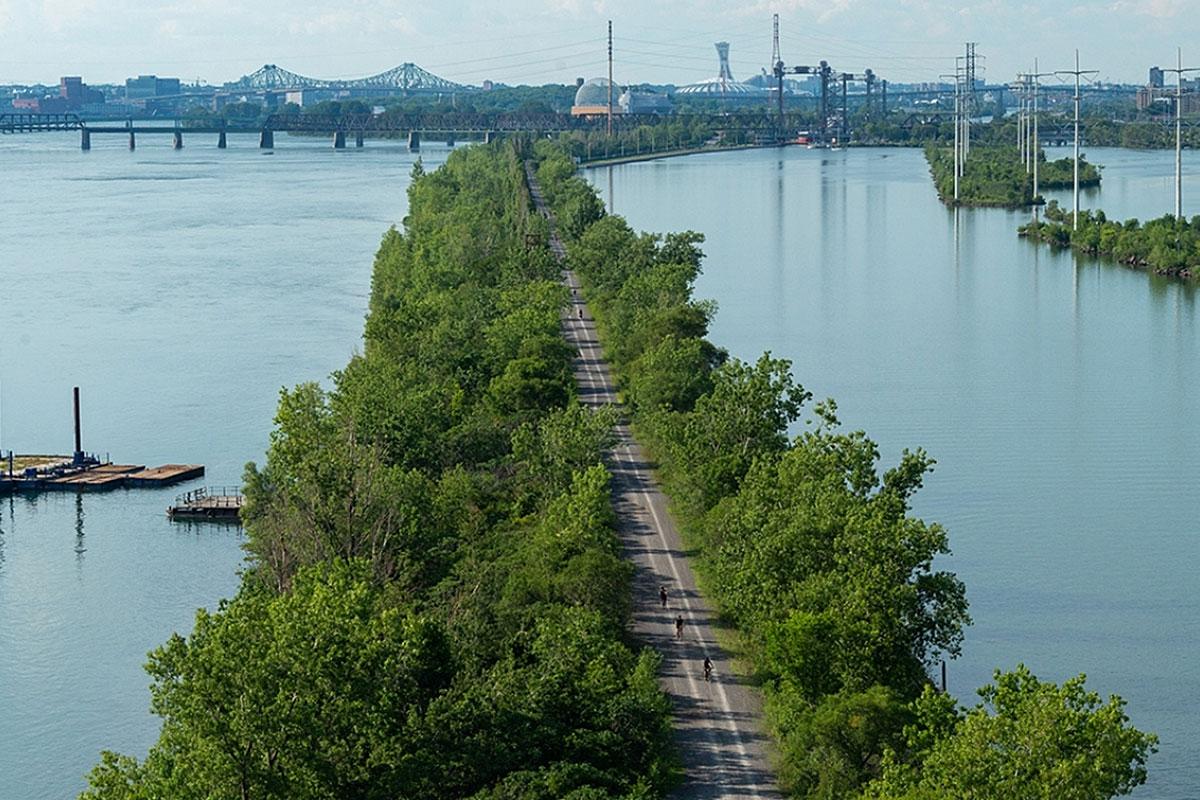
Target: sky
<point>542,41</point>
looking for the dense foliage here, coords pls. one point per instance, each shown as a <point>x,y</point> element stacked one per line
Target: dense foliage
<point>804,545</point>
<point>1026,739</point>
<point>994,175</point>
<point>435,605</point>
<point>1167,245</point>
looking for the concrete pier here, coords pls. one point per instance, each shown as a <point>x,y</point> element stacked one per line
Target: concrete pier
<point>132,141</point>
<point>339,140</point>
<point>85,139</point>
<point>358,139</point>
<point>221,143</point>
<point>266,139</point>
<point>414,140</point>
<point>489,137</point>
<point>177,140</point>
<point>450,140</point>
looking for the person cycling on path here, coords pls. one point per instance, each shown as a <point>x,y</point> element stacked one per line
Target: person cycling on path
<point>662,596</point>
<point>679,626</point>
<point>708,668</point>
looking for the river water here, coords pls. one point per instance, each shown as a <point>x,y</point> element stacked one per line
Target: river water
<point>1055,392</point>
<point>180,291</point>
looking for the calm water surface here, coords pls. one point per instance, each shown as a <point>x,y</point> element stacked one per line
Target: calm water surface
<point>181,291</point>
<point>1057,394</point>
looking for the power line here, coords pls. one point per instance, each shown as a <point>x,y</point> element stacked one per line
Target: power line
<point>1077,72</point>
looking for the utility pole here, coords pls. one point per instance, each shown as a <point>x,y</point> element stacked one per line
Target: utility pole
<point>1077,72</point>
<point>843,133</point>
<point>777,65</point>
<point>969,97</point>
<point>1036,150</point>
<point>610,83</point>
<point>957,150</point>
<point>959,68</point>
<point>1179,73</point>
<point>826,73</point>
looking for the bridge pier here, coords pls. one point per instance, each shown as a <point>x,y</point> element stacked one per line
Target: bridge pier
<point>221,143</point>
<point>85,139</point>
<point>132,141</point>
<point>177,140</point>
<point>339,140</point>
<point>358,139</point>
<point>489,137</point>
<point>414,140</point>
<point>266,139</point>
<point>450,140</point>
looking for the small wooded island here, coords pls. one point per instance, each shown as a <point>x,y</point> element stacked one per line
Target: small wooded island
<point>1165,246</point>
<point>994,175</point>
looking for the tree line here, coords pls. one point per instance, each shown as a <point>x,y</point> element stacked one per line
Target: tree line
<point>434,604</point>
<point>810,550</point>
<point>1165,246</point>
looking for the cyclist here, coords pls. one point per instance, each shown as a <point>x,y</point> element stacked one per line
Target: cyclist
<point>708,665</point>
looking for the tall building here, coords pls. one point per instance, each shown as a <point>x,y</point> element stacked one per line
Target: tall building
<point>1156,78</point>
<point>70,88</point>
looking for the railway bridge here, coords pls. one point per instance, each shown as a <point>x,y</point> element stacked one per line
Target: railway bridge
<point>358,127</point>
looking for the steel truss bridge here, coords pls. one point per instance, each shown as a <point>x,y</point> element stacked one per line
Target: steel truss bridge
<point>407,77</point>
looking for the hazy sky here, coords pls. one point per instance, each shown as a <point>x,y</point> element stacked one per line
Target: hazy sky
<point>537,41</point>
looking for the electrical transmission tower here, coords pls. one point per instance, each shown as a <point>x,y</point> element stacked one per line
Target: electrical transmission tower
<point>777,62</point>
<point>1078,73</point>
<point>1033,151</point>
<point>1179,71</point>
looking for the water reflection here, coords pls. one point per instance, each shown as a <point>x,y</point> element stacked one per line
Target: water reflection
<point>79,548</point>
<point>11,516</point>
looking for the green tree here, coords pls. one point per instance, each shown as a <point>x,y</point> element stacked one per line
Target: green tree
<point>1026,740</point>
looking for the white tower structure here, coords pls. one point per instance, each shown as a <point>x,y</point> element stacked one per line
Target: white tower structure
<point>725,76</point>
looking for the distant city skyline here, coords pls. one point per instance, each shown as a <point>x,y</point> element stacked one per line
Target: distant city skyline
<point>542,41</point>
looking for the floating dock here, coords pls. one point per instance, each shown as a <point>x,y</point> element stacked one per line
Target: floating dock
<point>220,505</point>
<point>85,472</point>
<point>94,476</point>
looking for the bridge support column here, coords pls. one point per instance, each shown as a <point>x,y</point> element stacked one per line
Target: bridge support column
<point>450,140</point>
<point>221,143</point>
<point>177,140</point>
<point>414,140</point>
<point>85,139</point>
<point>358,139</point>
<point>339,140</point>
<point>489,137</point>
<point>132,141</point>
<point>266,139</point>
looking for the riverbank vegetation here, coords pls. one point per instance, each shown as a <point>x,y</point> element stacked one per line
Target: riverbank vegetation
<point>994,175</point>
<point>434,604</point>
<point>1165,246</point>
<point>810,550</point>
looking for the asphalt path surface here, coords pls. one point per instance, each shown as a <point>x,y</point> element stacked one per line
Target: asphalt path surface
<point>718,722</point>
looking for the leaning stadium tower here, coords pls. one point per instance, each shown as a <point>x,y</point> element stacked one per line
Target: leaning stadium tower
<point>725,76</point>
<point>723,86</point>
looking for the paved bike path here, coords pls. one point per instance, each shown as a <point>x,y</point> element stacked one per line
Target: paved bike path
<point>718,723</point>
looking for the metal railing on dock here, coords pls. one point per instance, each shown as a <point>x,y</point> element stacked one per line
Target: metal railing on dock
<point>208,502</point>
